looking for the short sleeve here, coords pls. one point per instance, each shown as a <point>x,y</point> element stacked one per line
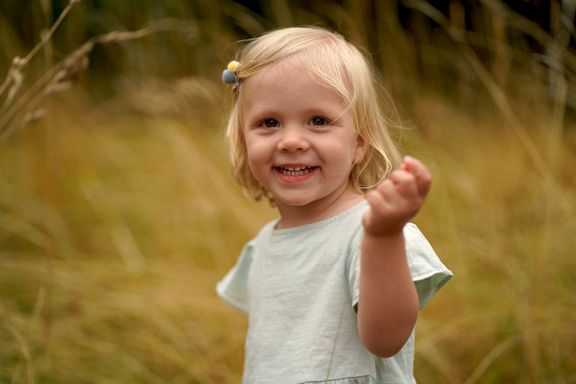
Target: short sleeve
<point>233,288</point>
<point>428,272</point>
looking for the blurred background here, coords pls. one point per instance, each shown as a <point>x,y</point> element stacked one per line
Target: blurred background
<point>118,213</point>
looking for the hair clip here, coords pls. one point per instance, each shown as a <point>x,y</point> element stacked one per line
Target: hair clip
<point>229,75</point>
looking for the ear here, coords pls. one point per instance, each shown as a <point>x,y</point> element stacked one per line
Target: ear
<point>361,149</point>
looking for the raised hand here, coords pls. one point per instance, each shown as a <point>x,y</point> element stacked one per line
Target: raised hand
<point>397,199</point>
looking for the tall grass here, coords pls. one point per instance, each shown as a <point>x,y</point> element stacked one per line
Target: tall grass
<point>118,214</point>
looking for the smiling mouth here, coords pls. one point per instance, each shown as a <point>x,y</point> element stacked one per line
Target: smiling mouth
<point>296,171</point>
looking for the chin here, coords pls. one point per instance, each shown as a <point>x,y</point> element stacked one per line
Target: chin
<point>292,202</point>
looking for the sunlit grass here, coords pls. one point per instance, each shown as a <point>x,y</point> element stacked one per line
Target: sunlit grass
<point>507,231</point>
<point>109,274</point>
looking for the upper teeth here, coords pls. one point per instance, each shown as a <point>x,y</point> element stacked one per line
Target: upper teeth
<point>294,171</point>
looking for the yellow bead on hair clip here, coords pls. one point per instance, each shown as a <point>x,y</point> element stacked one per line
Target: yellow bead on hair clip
<point>229,74</point>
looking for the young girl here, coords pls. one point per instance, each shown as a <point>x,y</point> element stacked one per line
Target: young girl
<point>332,288</point>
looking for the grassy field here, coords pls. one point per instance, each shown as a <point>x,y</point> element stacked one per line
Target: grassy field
<point>118,215</point>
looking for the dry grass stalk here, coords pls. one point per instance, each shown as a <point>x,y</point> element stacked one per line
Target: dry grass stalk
<point>498,95</point>
<point>558,58</point>
<point>23,106</point>
<point>14,77</point>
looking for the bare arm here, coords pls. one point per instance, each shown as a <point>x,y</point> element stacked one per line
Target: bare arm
<point>388,303</point>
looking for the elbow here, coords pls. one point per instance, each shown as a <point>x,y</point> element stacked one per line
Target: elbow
<point>386,341</point>
<point>384,333</point>
<point>385,348</point>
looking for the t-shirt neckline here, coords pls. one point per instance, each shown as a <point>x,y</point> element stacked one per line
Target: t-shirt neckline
<point>317,224</point>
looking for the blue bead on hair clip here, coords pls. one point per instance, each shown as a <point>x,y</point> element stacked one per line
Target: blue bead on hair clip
<point>229,74</point>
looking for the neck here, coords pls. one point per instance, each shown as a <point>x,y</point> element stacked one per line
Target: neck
<point>293,216</point>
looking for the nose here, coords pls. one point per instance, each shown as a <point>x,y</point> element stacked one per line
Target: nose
<point>293,139</point>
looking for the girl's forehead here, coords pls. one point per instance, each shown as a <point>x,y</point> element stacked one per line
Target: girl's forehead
<point>281,80</point>
<point>294,68</point>
<point>288,67</point>
<point>294,75</point>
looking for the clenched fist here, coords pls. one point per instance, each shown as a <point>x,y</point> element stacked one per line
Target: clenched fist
<point>397,199</point>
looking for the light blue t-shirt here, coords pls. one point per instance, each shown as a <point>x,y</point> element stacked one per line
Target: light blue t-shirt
<point>299,286</point>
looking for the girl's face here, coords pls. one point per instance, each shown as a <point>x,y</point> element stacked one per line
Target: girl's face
<point>301,143</point>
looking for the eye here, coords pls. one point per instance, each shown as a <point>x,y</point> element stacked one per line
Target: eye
<point>269,123</point>
<point>319,120</point>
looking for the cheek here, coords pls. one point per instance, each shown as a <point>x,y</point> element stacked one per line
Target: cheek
<point>255,156</point>
<point>253,165</point>
<point>249,146</point>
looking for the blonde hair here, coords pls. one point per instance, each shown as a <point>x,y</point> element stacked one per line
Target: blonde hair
<point>335,63</point>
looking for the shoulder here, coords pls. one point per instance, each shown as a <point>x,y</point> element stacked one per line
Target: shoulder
<point>417,245</point>
<point>414,235</point>
<point>265,232</point>
<point>428,271</point>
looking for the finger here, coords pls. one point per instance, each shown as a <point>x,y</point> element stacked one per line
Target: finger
<point>375,200</point>
<point>405,183</point>
<point>387,189</point>
<point>382,198</point>
<point>420,172</point>
<point>373,197</point>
